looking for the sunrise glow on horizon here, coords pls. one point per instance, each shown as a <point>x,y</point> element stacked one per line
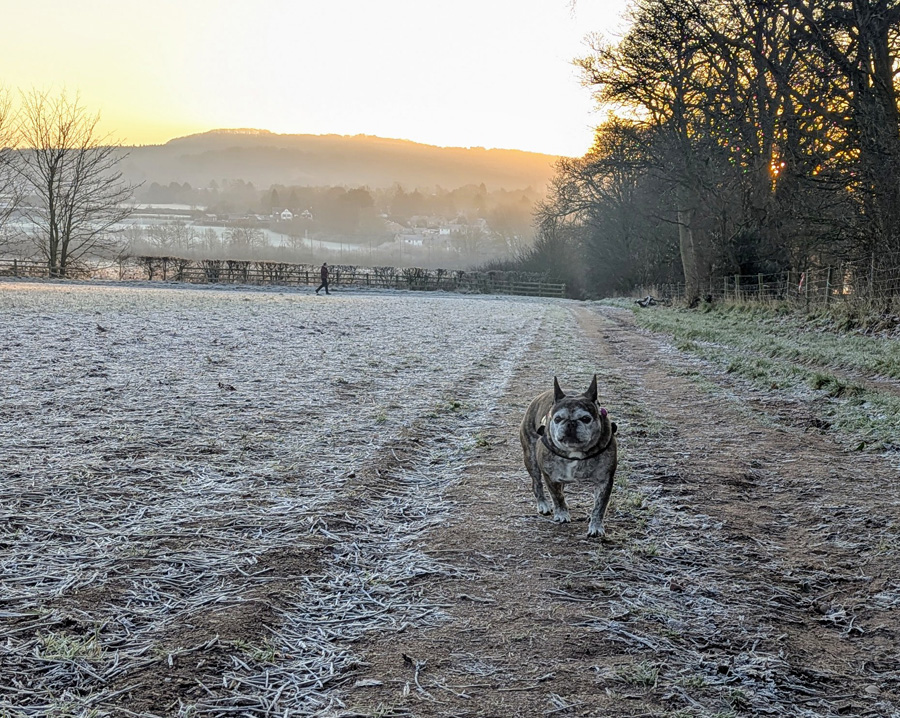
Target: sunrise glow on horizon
<point>494,73</point>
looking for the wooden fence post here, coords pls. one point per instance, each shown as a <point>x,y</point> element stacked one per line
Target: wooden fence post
<point>737,285</point>
<point>828,285</point>
<point>759,282</point>
<point>872,278</point>
<point>724,288</point>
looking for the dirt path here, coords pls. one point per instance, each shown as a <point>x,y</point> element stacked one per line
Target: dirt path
<point>749,566</point>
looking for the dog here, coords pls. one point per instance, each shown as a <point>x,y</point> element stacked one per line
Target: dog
<point>565,439</point>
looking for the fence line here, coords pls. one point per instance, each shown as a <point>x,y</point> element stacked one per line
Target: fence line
<point>283,274</point>
<point>39,270</point>
<point>815,285</point>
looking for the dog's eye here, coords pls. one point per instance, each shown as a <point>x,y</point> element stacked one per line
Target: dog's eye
<point>585,420</point>
<point>557,419</point>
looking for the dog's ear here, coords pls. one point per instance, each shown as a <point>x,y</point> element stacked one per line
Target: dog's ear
<point>557,392</point>
<point>591,393</point>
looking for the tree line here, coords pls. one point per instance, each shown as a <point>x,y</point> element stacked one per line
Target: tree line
<point>743,137</point>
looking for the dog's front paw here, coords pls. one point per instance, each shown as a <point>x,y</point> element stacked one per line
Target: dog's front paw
<point>596,530</point>
<point>544,508</point>
<point>562,517</point>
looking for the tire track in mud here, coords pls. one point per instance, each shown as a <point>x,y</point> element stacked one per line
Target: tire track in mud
<point>748,568</point>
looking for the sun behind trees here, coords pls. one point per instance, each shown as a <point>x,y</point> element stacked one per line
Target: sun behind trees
<point>746,137</point>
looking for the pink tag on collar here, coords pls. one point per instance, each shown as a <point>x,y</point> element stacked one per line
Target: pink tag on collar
<point>603,411</point>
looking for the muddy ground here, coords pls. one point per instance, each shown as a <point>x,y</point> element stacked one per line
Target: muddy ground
<point>750,564</point>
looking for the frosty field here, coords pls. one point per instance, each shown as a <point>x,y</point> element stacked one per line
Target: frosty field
<point>240,502</point>
<point>170,454</point>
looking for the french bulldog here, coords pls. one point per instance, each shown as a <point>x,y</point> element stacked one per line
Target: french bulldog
<point>568,438</point>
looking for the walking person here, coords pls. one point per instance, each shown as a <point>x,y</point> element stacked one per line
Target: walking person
<point>324,273</point>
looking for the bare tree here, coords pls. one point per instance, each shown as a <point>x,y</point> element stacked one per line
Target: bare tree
<point>614,201</point>
<point>71,173</point>
<point>244,237</point>
<point>10,182</point>
<point>661,73</point>
<point>857,42</point>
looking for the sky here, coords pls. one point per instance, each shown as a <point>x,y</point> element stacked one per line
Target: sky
<point>466,73</point>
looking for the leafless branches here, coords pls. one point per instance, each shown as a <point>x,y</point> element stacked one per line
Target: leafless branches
<point>71,172</point>
<point>10,183</point>
<point>769,131</point>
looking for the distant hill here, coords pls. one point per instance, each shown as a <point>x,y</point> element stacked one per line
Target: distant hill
<point>265,158</point>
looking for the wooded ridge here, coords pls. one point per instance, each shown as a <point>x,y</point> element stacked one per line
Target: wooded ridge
<point>265,158</point>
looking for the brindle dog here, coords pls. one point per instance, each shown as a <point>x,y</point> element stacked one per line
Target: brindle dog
<point>566,439</point>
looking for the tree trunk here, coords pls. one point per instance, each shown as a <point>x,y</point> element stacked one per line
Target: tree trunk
<point>877,117</point>
<point>52,231</point>
<point>687,245</point>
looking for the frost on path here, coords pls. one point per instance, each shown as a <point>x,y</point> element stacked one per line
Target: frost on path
<point>207,495</point>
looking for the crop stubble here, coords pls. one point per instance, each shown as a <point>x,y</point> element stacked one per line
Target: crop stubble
<point>263,503</point>
<point>208,495</point>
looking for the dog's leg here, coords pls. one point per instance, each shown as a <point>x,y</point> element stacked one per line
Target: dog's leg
<point>602,492</point>
<point>543,506</point>
<point>537,485</point>
<point>560,510</point>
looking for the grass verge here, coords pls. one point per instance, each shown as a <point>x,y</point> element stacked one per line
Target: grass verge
<point>846,379</point>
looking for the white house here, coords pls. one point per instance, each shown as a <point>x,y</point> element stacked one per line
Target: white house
<point>287,215</point>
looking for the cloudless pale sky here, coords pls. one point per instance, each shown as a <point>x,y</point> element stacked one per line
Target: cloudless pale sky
<point>489,73</point>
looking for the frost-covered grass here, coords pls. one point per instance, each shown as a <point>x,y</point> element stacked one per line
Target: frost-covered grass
<point>225,487</point>
<point>850,376</point>
<point>776,334</point>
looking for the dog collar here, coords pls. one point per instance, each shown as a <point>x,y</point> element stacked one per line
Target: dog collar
<point>553,450</point>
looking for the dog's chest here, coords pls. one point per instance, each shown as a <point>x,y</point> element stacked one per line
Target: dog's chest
<point>568,471</point>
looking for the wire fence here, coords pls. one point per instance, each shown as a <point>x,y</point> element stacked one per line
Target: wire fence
<point>815,285</point>
<point>220,271</point>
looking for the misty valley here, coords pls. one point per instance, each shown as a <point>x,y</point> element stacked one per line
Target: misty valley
<point>254,195</point>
